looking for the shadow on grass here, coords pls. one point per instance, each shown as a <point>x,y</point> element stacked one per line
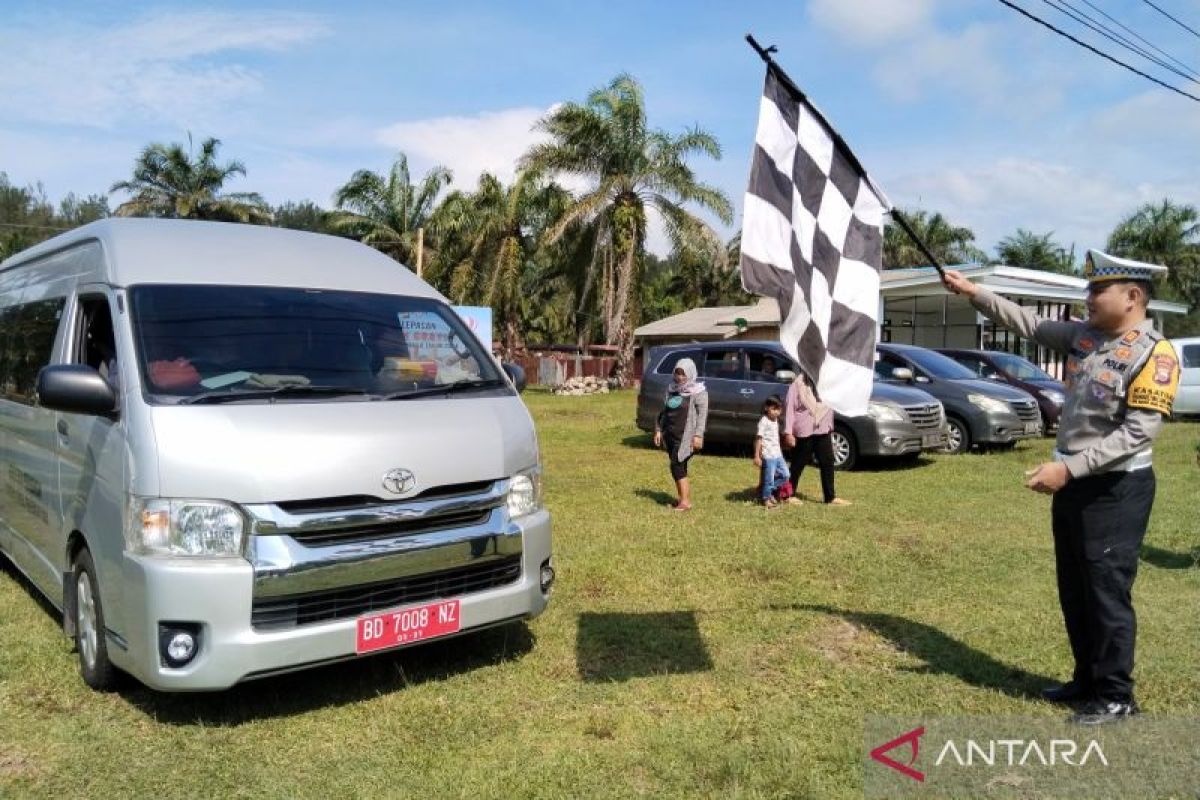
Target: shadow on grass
<point>941,653</point>
<point>662,498</point>
<point>641,441</point>
<point>10,570</point>
<point>1165,559</point>
<point>619,646</point>
<point>335,684</point>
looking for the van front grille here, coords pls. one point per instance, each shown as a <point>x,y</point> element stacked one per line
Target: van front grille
<point>462,519</point>
<point>278,613</point>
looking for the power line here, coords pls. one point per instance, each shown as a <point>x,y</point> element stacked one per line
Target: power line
<point>1140,38</point>
<point>1100,53</point>
<point>1168,16</point>
<point>1099,27</point>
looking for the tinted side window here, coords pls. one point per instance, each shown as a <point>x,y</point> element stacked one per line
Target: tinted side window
<point>975,364</point>
<point>763,366</point>
<point>885,365</point>
<point>724,363</point>
<point>27,333</point>
<point>1190,356</point>
<point>667,365</point>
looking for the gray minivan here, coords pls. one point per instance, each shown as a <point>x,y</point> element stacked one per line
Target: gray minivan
<point>232,451</point>
<point>740,375</point>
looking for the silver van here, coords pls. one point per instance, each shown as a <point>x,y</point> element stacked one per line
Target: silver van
<point>231,451</point>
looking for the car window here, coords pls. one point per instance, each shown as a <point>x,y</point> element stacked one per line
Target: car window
<point>667,365</point>
<point>977,365</point>
<point>930,364</point>
<point>885,364</point>
<point>1020,368</point>
<point>723,363</point>
<point>1190,356</point>
<point>765,365</point>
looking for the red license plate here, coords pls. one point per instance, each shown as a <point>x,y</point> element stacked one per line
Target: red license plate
<point>406,625</point>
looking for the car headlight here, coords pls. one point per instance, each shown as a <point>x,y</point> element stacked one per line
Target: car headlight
<point>174,527</point>
<point>1053,396</point>
<point>988,403</point>
<point>525,492</point>
<point>885,411</point>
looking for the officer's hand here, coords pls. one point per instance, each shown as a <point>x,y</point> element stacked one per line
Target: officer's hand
<point>1048,478</point>
<point>955,282</point>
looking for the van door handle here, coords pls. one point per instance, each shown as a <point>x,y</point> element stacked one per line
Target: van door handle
<point>745,391</point>
<point>62,428</point>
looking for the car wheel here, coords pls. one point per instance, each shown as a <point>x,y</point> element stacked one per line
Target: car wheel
<point>958,436</point>
<point>90,641</point>
<point>845,449</point>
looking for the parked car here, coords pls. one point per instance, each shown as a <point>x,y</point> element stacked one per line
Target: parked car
<point>978,412</point>
<point>1020,372</point>
<point>1187,400</point>
<point>901,421</point>
<point>232,451</point>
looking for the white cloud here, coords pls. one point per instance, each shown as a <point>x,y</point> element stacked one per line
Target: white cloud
<point>872,22</point>
<point>491,141</point>
<point>159,68</point>
<point>1080,205</point>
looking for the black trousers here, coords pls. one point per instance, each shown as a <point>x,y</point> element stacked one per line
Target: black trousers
<point>1099,523</point>
<point>822,444</point>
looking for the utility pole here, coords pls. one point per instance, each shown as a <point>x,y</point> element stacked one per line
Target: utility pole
<point>420,249</point>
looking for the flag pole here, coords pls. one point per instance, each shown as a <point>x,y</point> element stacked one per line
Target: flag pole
<point>765,54</point>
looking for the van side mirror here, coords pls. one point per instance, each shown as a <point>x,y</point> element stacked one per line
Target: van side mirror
<point>76,389</point>
<point>902,374</point>
<point>516,374</point>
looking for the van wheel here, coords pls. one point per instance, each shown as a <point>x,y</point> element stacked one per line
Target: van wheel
<point>958,436</point>
<point>90,642</point>
<point>845,449</point>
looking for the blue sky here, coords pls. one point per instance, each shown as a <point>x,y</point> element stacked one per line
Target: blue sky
<point>956,105</point>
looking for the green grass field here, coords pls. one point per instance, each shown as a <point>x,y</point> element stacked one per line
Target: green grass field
<point>729,652</point>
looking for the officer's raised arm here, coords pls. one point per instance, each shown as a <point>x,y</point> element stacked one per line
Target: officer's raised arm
<point>1055,334</point>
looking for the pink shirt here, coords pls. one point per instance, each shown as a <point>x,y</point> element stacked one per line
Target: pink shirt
<point>798,420</point>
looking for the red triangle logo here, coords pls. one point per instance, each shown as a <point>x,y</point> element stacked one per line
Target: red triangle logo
<point>912,739</point>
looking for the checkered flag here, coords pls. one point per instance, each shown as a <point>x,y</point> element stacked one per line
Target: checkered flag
<point>812,238</point>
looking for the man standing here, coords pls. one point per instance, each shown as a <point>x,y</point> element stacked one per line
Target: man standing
<point>1121,378</point>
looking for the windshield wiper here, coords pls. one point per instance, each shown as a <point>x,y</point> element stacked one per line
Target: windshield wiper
<point>228,396</point>
<point>446,388</point>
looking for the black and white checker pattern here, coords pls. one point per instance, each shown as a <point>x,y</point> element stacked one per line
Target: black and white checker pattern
<point>812,237</point>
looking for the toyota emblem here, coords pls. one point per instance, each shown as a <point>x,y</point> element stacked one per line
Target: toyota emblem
<point>399,481</point>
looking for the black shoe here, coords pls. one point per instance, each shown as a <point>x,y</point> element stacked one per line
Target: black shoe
<point>1102,712</point>
<point>1070,692</point>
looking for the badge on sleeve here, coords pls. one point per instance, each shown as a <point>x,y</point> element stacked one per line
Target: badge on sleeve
<point>1155,385</point>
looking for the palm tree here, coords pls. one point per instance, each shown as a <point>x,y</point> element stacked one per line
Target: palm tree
<point>168,182</point>
<point>498,227</point>
<point>1036,251</point>
<point>1164,233</point>
<point>386,213</point>
<point>606,140</point>
<point>951,244</point>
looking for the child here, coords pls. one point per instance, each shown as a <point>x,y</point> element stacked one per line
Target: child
<point>680,425</point>
<point>767,453</point>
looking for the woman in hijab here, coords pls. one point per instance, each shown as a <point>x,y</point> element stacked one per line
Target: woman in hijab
<point>809,426</point>
<point>680,425</point>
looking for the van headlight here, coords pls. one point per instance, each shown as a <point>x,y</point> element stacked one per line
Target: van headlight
<point>885,411</point>
<point>988,403</point>
<point>525,492</point>
<point>172,527</point>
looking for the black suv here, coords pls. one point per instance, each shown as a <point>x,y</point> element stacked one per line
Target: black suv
<point>740,375</point>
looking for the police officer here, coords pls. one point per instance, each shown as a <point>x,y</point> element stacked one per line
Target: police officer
<point>1121,378</point>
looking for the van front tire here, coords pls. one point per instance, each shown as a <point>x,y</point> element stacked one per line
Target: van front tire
<point>90,640</point>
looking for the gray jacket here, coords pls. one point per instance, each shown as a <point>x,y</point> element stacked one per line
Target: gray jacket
<point>1101,428</point>
<point>697,419</point>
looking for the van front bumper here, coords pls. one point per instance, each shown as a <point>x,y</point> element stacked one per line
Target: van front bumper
<point>218,596</point>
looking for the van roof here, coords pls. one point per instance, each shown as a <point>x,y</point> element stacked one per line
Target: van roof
<point>226,253</point>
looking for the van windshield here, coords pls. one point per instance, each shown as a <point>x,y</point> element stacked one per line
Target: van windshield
<point>201,344</point>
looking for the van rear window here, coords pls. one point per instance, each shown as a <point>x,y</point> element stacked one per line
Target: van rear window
<point>230,343</point>
<point>1190,356</point>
